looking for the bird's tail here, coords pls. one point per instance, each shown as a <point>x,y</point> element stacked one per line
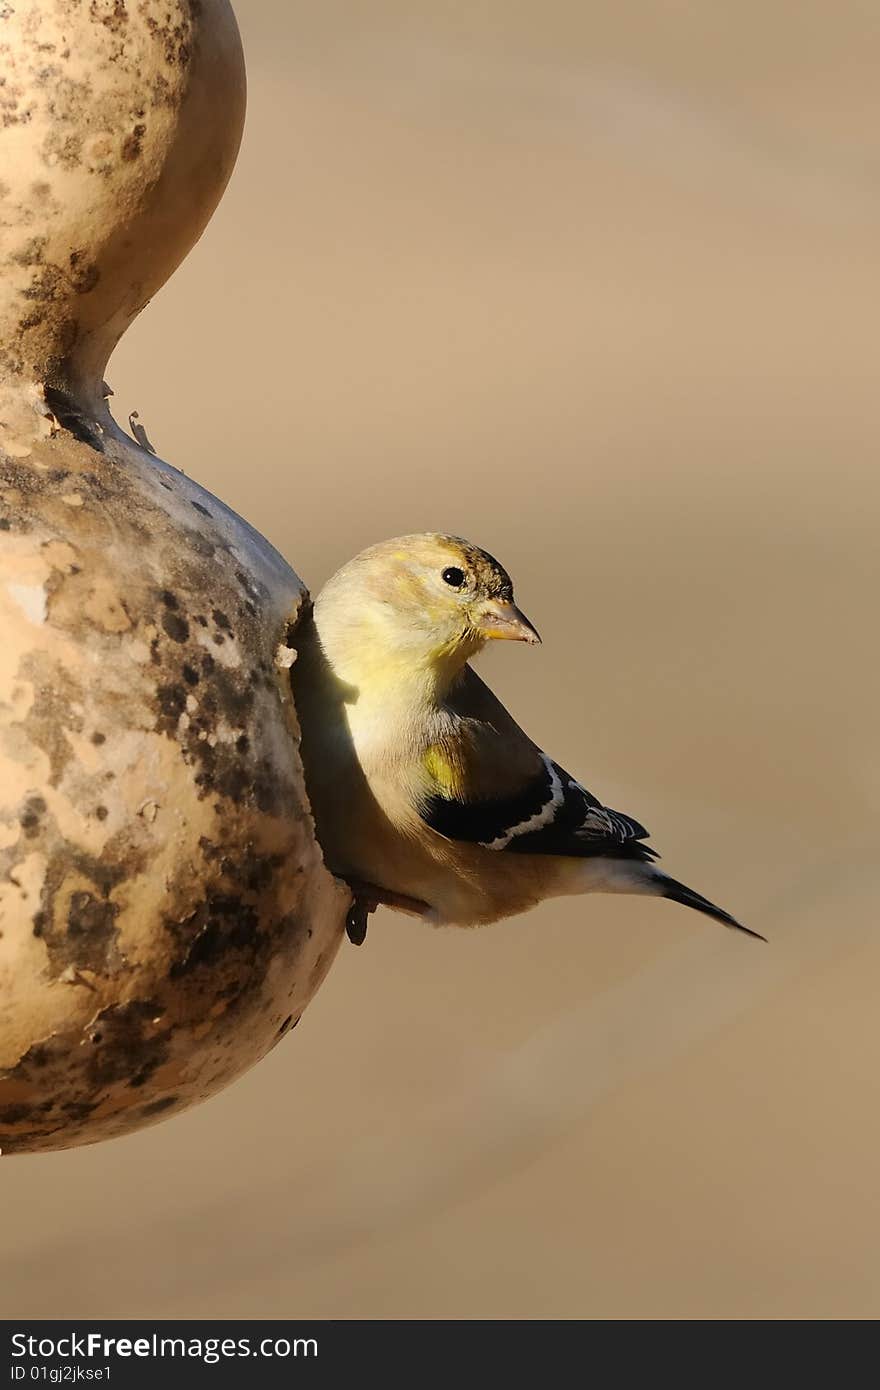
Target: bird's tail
<point>607,874</point>
<point>668,887</point>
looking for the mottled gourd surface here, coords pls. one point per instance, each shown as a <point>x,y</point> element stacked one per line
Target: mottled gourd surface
<point>165,915</point>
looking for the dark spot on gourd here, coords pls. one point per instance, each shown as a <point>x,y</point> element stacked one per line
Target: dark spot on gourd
<point>133,1045</point>
<point>45,285</point>
<point>233,782</point>
<point>199,543</point>
<point>223,924</point>
<point>84,274</point>
<point>31,252</point>
<point>91,930</point>
<point>113,15</point>
<point>14,1114</point>
<point>79,1109</point>
<point>31,816</point>
<point>172,700</point>
<point>155,1107</point>
<point>175,626</point>
<point>133,144</point>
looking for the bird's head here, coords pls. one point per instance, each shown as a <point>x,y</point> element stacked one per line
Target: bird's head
<point>429,599</point>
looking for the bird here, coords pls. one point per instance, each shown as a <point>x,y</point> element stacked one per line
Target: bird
<point>426,794</point>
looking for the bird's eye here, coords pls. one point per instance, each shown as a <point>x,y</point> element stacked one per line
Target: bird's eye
<point>453,577</point>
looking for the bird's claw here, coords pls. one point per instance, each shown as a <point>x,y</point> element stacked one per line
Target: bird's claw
<point>358,918</point>
<point>366,897</point>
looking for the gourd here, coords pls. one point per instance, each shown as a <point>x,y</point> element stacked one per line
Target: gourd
<point>165,914</point>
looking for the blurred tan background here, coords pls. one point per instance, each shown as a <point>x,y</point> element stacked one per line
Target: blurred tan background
<point>594,284</point>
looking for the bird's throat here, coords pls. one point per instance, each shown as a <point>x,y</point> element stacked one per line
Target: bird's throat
<point>378,662</point>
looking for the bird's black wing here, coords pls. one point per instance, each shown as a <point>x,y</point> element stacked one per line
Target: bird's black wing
<point>516,799</point>
<point>550,814</point>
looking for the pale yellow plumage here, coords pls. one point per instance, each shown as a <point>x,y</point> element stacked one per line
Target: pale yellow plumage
<point>423,787</point>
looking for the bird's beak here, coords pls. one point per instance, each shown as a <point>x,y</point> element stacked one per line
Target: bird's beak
<point>500,618</point>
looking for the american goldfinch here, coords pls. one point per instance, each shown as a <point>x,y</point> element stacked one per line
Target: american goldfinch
<point>427,796</point>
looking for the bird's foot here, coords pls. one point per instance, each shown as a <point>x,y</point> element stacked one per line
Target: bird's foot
<point>366,897</point>
<point>358,917</point>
